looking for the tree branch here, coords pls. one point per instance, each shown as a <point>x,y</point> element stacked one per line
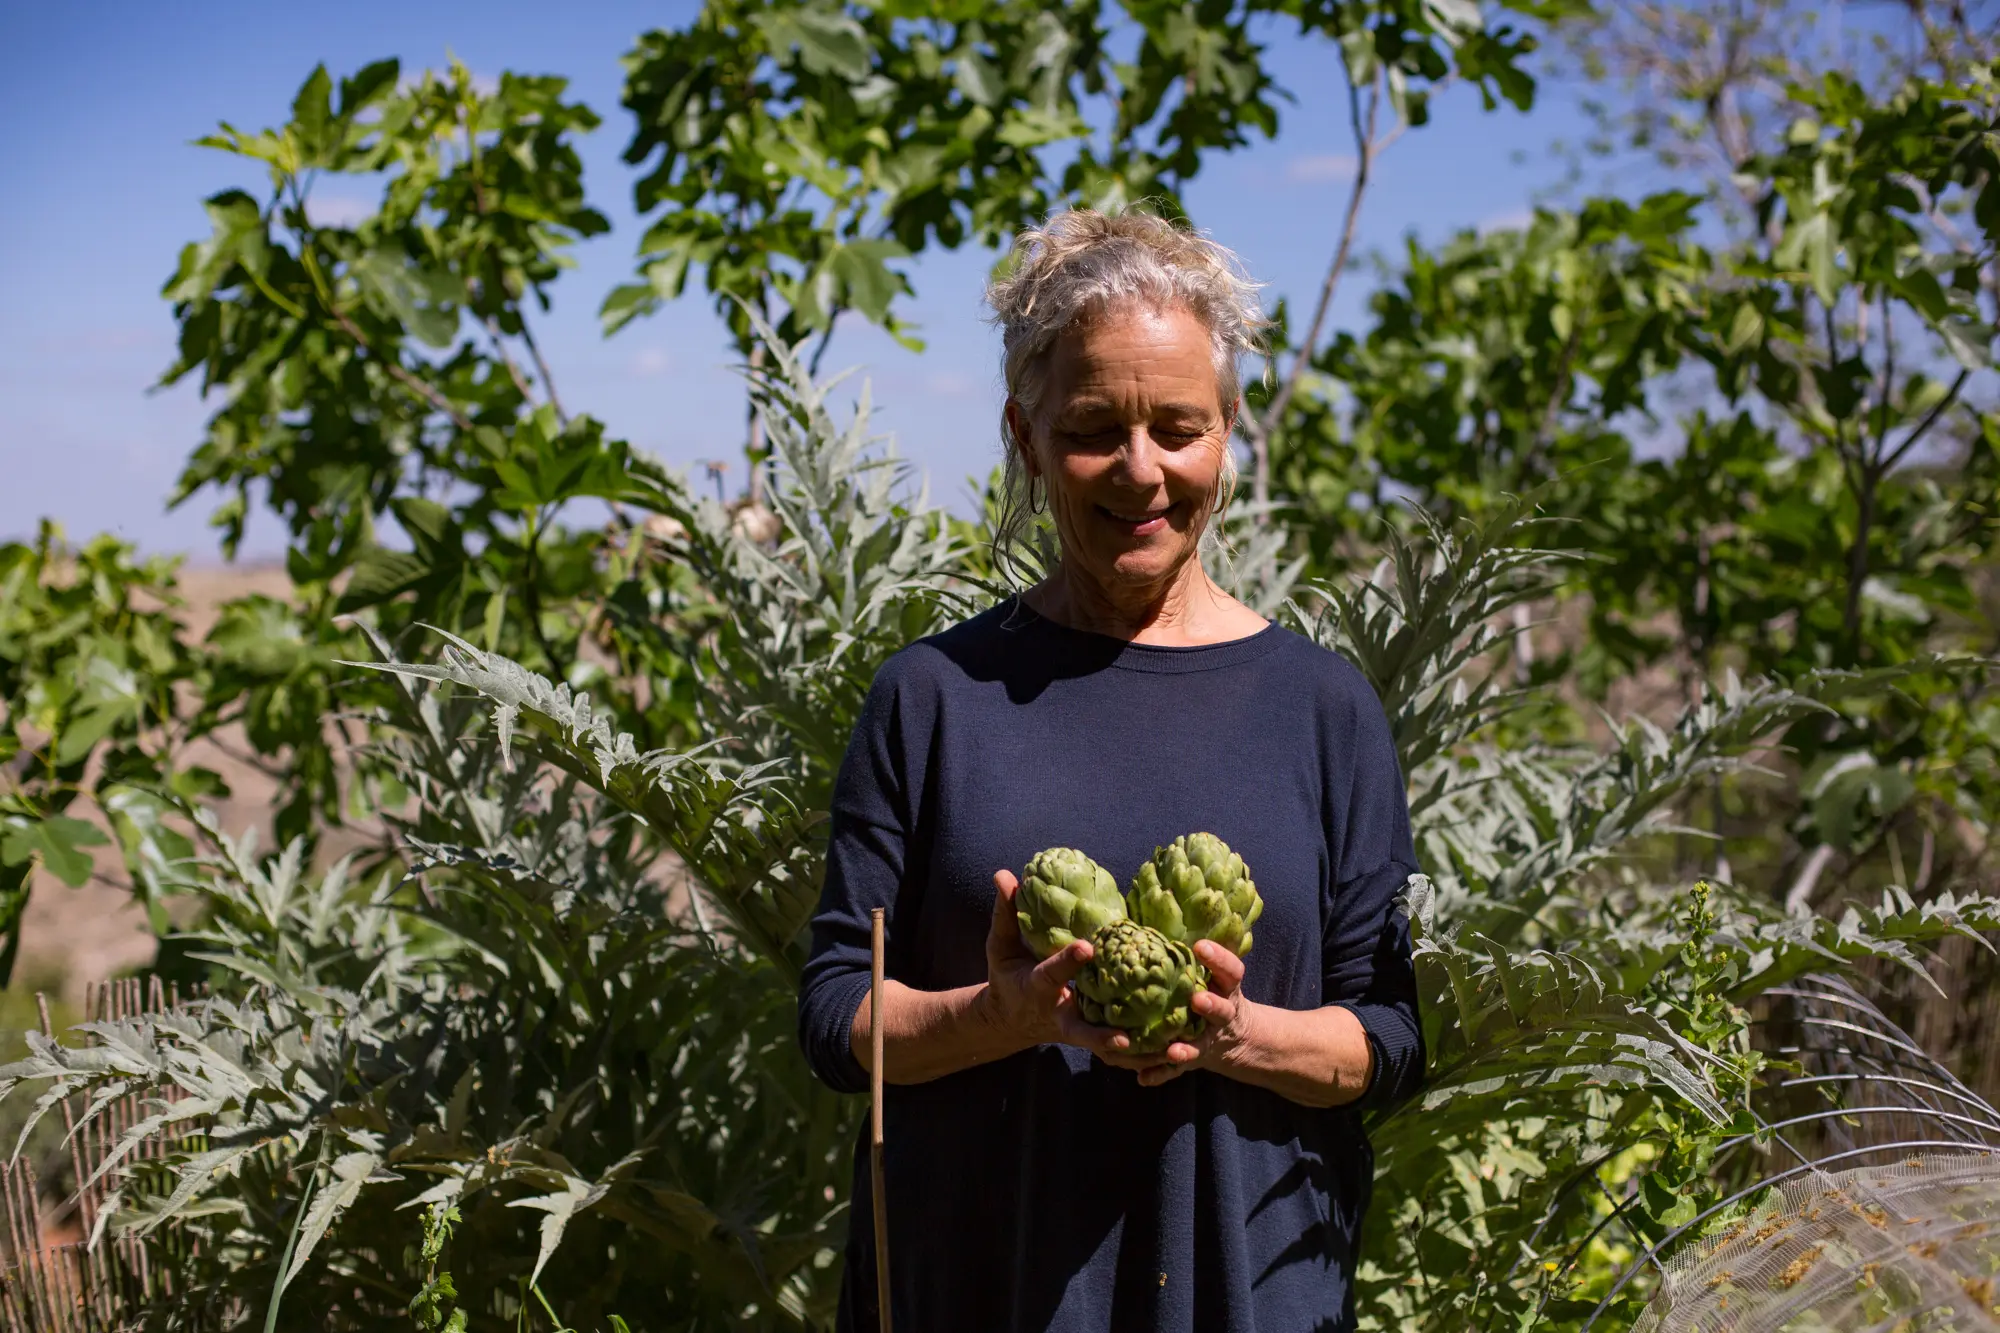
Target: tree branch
<point>492,324</point>
<point>1558,397</point>
<point>324,289</point>
<point>513,371</point>
<point>423,389</point>
<point>1849,465</point>
<point>825,339</point>
<point>531,596</point>
<point>542,369</point>
<point>1888,376</point>
<point>1274,416</point>
<point>1922,428</point>
<point>248,759</point>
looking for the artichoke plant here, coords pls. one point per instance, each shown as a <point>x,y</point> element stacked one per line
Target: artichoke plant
<point>1141,982</point>
<point>1065,896</point>
<point>1195,888</point>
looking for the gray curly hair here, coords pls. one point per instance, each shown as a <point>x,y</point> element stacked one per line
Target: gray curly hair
<point>1082,262</point>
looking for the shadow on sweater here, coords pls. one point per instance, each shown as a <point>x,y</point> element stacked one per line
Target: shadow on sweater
<point>1063,654</point>
<point>1105,1258</point>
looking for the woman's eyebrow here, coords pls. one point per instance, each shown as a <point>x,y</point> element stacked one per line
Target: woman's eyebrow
<point>1084,407</point>
<point>1092,417</point>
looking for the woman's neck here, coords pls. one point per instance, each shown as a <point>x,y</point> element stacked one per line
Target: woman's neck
<point>1186,609</point>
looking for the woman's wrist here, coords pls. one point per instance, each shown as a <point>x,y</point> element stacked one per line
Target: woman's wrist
<point>982,1033</point>
<point>934,1033</point>
<point>1021,1005</point>
<point>1239,1048</point>
<point>1006,1029</point>
<point>985,1013</point>
<point>1317,1057</point>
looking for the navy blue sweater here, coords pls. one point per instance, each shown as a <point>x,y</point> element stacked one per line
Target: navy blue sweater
<point>1049,1190</point>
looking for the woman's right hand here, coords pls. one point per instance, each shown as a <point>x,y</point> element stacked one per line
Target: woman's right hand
<point>1029,1000</point>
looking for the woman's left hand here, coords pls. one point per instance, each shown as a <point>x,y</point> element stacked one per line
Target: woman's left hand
<point>1227,1019</point>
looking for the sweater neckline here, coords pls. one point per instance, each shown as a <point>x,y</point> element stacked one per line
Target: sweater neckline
<point>1159,658</point>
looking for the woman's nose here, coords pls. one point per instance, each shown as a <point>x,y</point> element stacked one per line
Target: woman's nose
<point>1139,460</point>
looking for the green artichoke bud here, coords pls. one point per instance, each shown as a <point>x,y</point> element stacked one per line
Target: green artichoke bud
<point>1065,896</point>
<point>1197,889</point>
<point>1141,982</point>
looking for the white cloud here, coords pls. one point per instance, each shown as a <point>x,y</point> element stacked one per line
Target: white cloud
<point>1320,168</point>
<point>651,362</point>
<point>337,210</point>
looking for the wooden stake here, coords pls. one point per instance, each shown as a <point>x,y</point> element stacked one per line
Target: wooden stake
<point>875,992</point>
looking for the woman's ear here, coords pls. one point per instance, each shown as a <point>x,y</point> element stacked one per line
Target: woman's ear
<point>1021,437</point>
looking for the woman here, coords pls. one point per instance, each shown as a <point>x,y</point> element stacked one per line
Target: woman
<point>1041,1175</point>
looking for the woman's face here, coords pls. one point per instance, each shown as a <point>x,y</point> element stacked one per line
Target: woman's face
<point>1130,441</point>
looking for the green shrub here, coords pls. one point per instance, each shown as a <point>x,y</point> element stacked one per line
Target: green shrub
<point>564,1008</point>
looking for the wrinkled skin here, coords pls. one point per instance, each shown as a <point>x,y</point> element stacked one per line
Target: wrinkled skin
<point>1130,441</point>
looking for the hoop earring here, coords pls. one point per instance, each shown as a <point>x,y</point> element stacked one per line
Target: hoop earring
<point>1225,492</point>
<point>1035,507</point>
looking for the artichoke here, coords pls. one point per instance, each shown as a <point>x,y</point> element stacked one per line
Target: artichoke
<point>1197,889</point>
<point>1065,896</point>
<point>1140,981</point>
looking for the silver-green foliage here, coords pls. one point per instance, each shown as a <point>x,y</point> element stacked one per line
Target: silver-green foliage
<point>565,1004</point>
<point>532,1031</point>
<point>1567,1014</point>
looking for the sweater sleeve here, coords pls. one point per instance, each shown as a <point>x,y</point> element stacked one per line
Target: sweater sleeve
<point>1366,957</point>
<point>868,842</point>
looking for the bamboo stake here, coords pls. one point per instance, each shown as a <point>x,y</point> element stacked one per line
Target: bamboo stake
<point>25,1234</point>
<point>875,994</point>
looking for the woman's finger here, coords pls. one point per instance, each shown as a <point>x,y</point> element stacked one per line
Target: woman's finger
<point>1217,1008</point>
<point>1177,1059</point>
<point>1225,969</point>
<point>1102,1042</point>
<point>1004,885</point>
<point>1003,937</point>
<point>1060,968</point>
<point>1136,1062</point>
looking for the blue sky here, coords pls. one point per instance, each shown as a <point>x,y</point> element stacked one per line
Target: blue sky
<point>102,187</point>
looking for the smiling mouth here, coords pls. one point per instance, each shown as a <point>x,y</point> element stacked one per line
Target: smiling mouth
<point>1140,521</point>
